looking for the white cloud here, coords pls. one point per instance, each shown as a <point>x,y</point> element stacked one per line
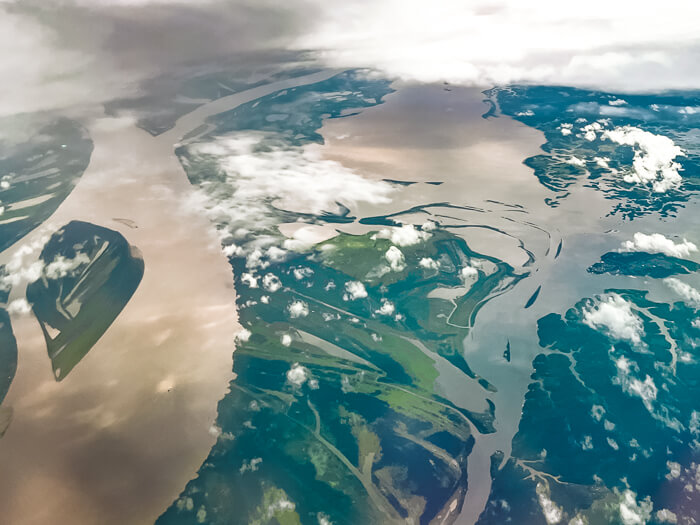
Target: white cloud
<point>297,375</point>
<point>653,158</point>
<point>271,282</point>
<point>387,308</point>
<point>243,335</point>
<point>286,340</point>
<point>19,307</point>
<point>306,236</point>
<point>302,273</point>
<point>297,179</point>
<point>90,51</point>
<point>249,466</point>
<point>250,280</point>
<point>690,295</point>
<point>298,309</point>
<point>620,46</point>
<point>62,267</point>
<point>666,516</point>
<point>406,235</point>
<point>428,263</point>
<point>587,443</point>
<point>323,519</point>
<point>469,272</point>
<point>590,131</point>
<point>602,162</point>
<point>231,250</point>
<point>674,470</point>
<point>646,390</point>
<point>355,290</point>
<point>429,225</point>
<point>17,274</point>
<point>23,266</point>
<point>396,260</point>
<point>657,243</point>
<point>614,314</point>
<point>552,512</point>
<point>43,75</point>
<point>633,512</point>
<point>597,412</point>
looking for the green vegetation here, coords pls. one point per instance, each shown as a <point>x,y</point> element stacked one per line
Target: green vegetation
<point>8,354</point>
<point>339,405</point>
<point>89,275</point>
<point>37,175</point>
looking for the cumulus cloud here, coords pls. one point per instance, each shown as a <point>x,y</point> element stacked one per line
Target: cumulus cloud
<point>646,390</point>
<point>395,258</point>
<point>654,156</point>
<point>428,263</point>
<point>429,225</point>
<point>633,512</point>
<point>23,267</point>
<point>296,179</point>
<point>271,282</point>
<point>687,293</point>
<point>62,267</point>
<point>297,375</point>
<point>249,279</point>
<point>302,273</point>
<point>666,516</point>
<point>243,335</point>
<point>406,235</point>
<point>469,272</point>
<point>387,308</point>
<point>355,290</point>
<point>19,307</point>
<point>552,512</point>
<point>575,161</point>
<point>298,309</point>
<point>614,315</point>
<point>590,131</point>
<point>249,466</point>
<point>306,236</point>
<point>657,243</point>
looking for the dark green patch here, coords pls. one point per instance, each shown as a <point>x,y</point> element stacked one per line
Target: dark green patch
<point>75,309</point>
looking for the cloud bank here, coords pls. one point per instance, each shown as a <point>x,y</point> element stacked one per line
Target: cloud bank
<point>614,315</point>
<point>64,53</point>
<point>657,243</point>
<point>653,157</point>
<point>624,45</point>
